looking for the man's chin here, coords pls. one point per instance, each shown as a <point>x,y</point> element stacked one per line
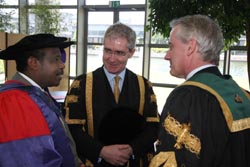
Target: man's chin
<point>55,84</point>
<point>174,74</point>
<point>113,71</point>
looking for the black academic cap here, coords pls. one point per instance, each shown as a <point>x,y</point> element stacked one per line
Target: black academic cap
<point>32,42</point>
<point>120,126</point>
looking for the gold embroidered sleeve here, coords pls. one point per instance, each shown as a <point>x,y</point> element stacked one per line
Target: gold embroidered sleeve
<point>182,134</point>
<point>166,158</point>
<point>71,105</point>
<point>75,84</point>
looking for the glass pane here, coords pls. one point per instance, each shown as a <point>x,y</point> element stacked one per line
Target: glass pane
<point>72,61</point>
<point>162,94</point>
<point>10,2</point>
<point>135,62</point>
<point>96,32</point>
<point>59,2</point>
<point>221,62</point>
<point>98,22</point>
<point>136,21</point>
<point>130,2</point>
<point>95,53</point>
<point>158,39</point>
<point>106,2</point>
<point>238,68</point>
<point>68,2</point>
<point>67,21</point>
<point>160,68</point>
<point>97,2</point>
<point>10,21</point>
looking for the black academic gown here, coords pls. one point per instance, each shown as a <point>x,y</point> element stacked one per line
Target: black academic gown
<point>219,147</point>
<point>89,146</point>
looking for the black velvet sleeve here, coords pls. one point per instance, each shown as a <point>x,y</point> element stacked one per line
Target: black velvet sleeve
<point>76,117</point>
<point>144,142</point>
<point>189,104</point>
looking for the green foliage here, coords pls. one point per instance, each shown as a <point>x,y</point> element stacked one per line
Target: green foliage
<point>47,19</point>
<point>159,50</point>
<point>159,39</point>
<point>232,15</point>
<point>5,17</point>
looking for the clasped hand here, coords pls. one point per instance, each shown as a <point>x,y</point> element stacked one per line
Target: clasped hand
<point>117,155</point>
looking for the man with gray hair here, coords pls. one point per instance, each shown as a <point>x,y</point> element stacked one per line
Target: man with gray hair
<point>206,119</point>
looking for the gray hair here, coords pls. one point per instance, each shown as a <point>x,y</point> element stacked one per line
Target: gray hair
<point>120,30</point>
<point>207,33</point>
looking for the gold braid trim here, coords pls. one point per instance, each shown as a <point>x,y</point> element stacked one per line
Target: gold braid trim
<point>71,99</point>
<point>75,84</point>
<point>233,125</point>
<point>149,83</point>
<point>89,107</point>
<point>168,158</point>
<point>182,134</point>
<point>153,119</point>
<point>142,94</point>
<point>245,92</point>
<point>88,163</point>
<point>73,121</point>
<point>153,98</point>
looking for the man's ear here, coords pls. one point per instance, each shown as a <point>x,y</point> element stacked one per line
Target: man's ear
<point>33,63</point>
<point>192,46</point>
<point>131,53</point>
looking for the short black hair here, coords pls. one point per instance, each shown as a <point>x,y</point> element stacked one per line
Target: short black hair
<point>22,61</point>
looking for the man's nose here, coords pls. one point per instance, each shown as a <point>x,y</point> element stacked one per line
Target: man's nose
<point>62,65</point>
<point>167,56</point>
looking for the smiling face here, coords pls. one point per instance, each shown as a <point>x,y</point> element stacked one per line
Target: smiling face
<point>49,70</point>
<point>116,54</point>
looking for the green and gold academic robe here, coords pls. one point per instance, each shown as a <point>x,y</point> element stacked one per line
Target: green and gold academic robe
<point>205,124</point>
<point>90,98</point>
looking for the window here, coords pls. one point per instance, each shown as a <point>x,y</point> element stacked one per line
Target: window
<point>238,68</point>
<point>161,96</point>
<point>136,21</point>
<point>12,23</point>
<point>98,22</point>
<point>11,2</point>
<point>106,2</point>
<point>60,2</point>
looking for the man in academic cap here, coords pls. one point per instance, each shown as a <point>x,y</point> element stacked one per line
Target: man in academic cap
<point>32,130</point>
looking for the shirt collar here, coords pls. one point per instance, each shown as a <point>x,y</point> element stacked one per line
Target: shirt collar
<point>111,76</point>
<point>198,69</point>
<point>32,82</point>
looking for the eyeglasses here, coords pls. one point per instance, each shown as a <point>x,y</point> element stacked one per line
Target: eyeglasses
<point>110,52</point>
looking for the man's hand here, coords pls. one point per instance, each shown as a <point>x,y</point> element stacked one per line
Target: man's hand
<point>82,165</point>
<point>117,155</point>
